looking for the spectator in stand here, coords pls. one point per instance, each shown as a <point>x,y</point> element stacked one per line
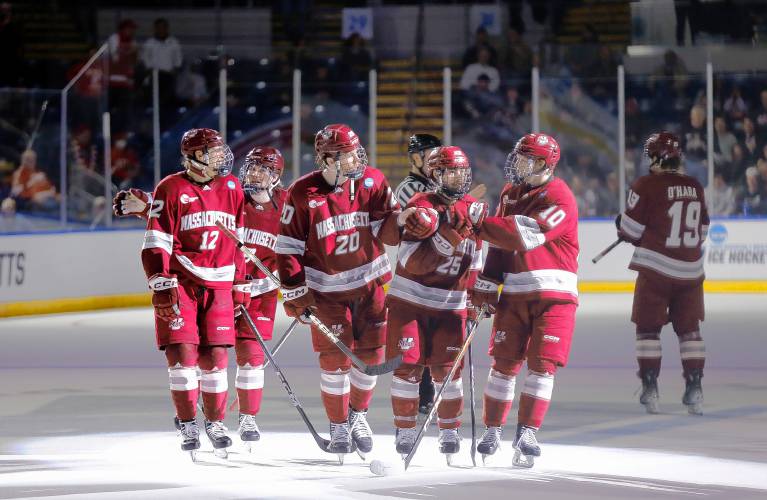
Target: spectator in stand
<point>483,66</point>
<point>84,152</point>
<point>670,80</point>
<point>10,221</point>
<point>12,42</point>
<point>720,198</point>
<point>760,117</point>
<point>6,178</point>
<point>737,165</point>
<point>724,140</point>
<point>163,53</point>
<point>585,197</point>
<point>321,86</point>
<point>125,162</point>
<point>603,74</point>
<point>31,187</point>
<point>694,144</point>
<point>355,58</point>
<point>754,195</point>
<point>123,54</point>
<point>761,166</point>
<point>480,101</point>
<point>481,41</point>
<point>749,140</point>
<point>735,106</point>
<point>517,60</point>
<point>190,86</point>
<point>609,197</point>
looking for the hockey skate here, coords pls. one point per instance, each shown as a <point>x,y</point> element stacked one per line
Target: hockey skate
<point>649,397</point>
<point>449,443</point>
<point>404,440</point>
<point>525,447</point>
<point>693,392</point>
<point>176,422</point>
<point>216,432</point>
<point>190,437</point>
<point>489,442</point>
<point>362,435</point>
<point>340,441</point>
<point>248,431</point>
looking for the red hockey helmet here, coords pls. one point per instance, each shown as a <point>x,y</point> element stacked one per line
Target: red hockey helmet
<point>341,143</point>
<point>520,164</point>
<point>262,169</point>
<point>451,171</point>
<point>218,158</point>
<point>663,146</point>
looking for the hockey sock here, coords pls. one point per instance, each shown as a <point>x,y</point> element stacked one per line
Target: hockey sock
<point>451,405</point>
<point>362,386</point>
<point>693,352</point>
<point>648,352</point>
<point>184,390</point>
<point>404,402</point>
<point>213,381</point>
<point>249,383</point>
<point>535,398</point>
<point>498,398</point>
<point>335,394</point>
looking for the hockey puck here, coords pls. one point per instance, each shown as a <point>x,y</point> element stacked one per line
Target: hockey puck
<point>380,468</point>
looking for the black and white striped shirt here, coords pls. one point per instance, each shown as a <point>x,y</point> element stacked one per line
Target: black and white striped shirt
<point>409,186</point>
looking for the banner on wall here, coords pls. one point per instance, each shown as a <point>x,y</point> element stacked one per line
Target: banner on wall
<point>485,16</point>
<point>358,21</point>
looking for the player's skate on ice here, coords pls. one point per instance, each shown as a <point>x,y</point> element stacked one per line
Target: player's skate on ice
<point>331,258</point>
<point>533,255</point>
<point>667,221</point>
<point>428,300</point>
<point>196,279</point>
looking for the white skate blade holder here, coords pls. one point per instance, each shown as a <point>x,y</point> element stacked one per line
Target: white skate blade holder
<point>382,468</point>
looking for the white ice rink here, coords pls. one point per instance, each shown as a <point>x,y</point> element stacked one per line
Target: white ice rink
<point>85,413</point>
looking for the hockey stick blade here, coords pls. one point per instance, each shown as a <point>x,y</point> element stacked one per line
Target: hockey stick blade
<point>380,369</point>
<point>321,442</point>
<point>607,250</point>
<point>438,398</point>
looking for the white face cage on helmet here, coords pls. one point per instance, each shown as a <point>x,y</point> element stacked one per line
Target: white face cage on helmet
<point>520,169</point>
<point>350,164</point>
<point>452,183</point>
<point>256,177</point>
<point>216,161</point>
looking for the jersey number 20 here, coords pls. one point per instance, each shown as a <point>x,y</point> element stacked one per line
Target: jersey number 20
<point>688,213</point>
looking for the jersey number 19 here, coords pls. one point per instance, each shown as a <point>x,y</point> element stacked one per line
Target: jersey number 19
<point>689,213</point>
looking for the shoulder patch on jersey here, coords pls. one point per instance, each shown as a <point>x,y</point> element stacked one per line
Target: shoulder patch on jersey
<point>368,182</point>
<point>185,198</point>
<point>231,184</point>
<point>316,203</point>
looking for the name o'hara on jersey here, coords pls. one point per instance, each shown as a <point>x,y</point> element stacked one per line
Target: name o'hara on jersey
<point>342,222</point>
<point>207,219</point>
<point>682,192</point>
<point>260,238</point>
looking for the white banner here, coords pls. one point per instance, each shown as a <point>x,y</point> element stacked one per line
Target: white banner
<point>358,21</point>
<point>69,265</point>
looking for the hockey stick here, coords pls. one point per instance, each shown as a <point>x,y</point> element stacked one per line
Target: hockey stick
<point>607,250</point>
<point>449,377</point>
<point>236,403</point>
<point>33,137</point>
<point>321,442</point>
<point>478,191</point>
<point>473,450</point>
<point>380,369</point>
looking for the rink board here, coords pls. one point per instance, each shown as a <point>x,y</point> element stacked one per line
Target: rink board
<point>75,271</point>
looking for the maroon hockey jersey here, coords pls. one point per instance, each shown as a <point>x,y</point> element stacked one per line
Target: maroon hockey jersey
<point>182,237</point>
<point>534,243</point>
<point>333,243</point>
<point>667,220</point>
<point>262,224</point>
<point>431,272</point>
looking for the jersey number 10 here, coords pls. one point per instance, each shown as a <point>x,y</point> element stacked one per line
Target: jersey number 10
<point>690,237</point>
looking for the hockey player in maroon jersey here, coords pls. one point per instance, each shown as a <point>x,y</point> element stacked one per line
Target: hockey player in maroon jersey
<point>533,254</point>
<point>260,179</point>
<point>666,219</point>
<point>419,180</point>
<point>331,259</point>
<point>428,297</point>
<point>197,278</point>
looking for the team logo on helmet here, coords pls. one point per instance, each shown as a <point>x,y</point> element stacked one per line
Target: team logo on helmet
<point>542,140</point>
